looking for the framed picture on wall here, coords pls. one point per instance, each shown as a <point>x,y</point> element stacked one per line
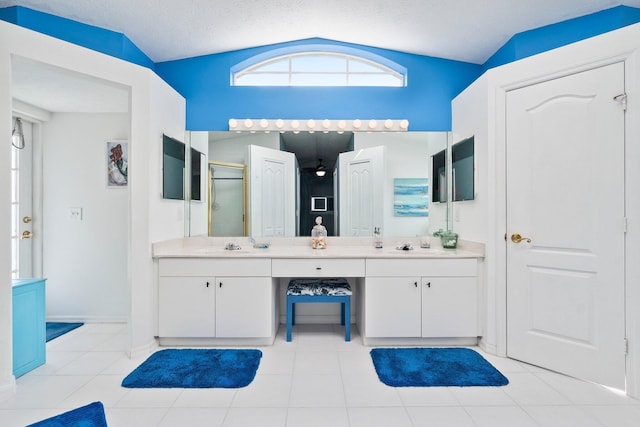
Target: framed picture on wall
<point>411,197</point>
<point>117,160</point>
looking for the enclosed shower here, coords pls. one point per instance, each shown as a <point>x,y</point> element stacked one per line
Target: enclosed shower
<point>227,199</point>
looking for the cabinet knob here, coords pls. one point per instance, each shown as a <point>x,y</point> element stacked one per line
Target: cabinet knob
<point>415,284</point>
<point>428,284</point>
<point>318,268</point>
<point>220,284</point>
<point>207,284</point>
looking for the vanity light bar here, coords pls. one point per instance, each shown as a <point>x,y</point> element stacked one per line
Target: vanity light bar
<point>313,125</point>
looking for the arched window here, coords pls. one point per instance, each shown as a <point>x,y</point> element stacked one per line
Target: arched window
<point>318,66</point>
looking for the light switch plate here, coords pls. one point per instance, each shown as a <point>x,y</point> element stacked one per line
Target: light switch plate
<point>75,214</point>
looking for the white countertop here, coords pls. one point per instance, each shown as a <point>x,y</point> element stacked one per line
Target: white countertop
<point>300,247</point>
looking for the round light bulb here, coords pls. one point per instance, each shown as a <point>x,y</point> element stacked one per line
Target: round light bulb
<point>264,123</point>
<point>372,124</point>
<point>388,124</point>
<point>248,123</point>
<point>279,123</point>
<point>295,124</point>
<point>326,124</point>
<point>404,124</point>
<point>357,123</point>
<point>233,123</point>
<point>342,125</point>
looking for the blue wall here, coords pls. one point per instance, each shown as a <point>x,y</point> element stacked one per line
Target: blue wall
<point>95,38</point>
<point>549,37</point>
<point>426,101</point>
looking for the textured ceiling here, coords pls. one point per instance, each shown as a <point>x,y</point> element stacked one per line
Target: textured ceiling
<point>466,30</point>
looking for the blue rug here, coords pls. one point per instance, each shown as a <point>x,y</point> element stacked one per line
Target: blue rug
<point>91,415</point>
<point>187,368</point>
<point>55,329</point>
<point>434,367</point>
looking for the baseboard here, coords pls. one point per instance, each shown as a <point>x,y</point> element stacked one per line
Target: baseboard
<point>86,319</point>
<point>471,341</point>
<point>8,388</point>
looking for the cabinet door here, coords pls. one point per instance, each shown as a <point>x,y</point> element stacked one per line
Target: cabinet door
<point>244,307</point>
<point>186,307</point>
<point>449,307</point>
<point>392,307</point>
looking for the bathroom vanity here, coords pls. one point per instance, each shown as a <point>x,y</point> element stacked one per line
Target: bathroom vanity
<point>209,295</point>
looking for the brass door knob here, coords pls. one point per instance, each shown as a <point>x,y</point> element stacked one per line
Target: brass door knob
<point>27,219</point>
<point>26,235</point>
<point>517,238</point>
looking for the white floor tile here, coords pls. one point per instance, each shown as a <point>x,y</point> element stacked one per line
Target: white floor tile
<point>194,417</point>
<point>616,416</point>
<point>368,391</point>
<point>482,396</point>
<point>313,390</point>
<point>379,417</point>
<point>205,398</point>
<point>249,417</point>
<point>126,417</point>
<point>561,416</point>
<point>427,396</point>
<point>264,390</point>
<point>316,362</point>
<point>500,416</point>
<point>440,416</point>
<point>317,417</point>
<point>315,381</point>
<point>528,389</point>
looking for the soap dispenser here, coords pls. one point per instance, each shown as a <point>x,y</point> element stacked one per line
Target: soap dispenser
<point>377,238</point>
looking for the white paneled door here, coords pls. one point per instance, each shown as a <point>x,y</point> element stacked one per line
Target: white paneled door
<point>361,191</point>
<point>272,192</point>
<point>565,225</point>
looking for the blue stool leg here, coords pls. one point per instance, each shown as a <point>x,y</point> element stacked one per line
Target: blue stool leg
<point>347,319</point>
<point>289,318</point>
<point>342,313</point>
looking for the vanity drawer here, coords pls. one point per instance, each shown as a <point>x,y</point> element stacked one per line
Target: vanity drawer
<point>456,267</point>
<point>317,268</point>
<point>206,267</point>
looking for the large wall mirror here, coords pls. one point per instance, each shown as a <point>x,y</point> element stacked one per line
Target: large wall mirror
<point>319,169</point>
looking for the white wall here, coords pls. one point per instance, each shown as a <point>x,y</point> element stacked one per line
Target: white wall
<point>233,147</point>
<point>489,93</point>
<point>408,156</point>
<point>155,108</point>
<point>85,262</point>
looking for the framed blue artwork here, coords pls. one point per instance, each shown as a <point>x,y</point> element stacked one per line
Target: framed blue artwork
<point>411,196</point>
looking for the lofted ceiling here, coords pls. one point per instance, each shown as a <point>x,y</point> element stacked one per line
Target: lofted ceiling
<point>464,30</point>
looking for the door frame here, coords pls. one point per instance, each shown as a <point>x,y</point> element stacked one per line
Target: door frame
<point>583,56</point>
<point>35,117</point>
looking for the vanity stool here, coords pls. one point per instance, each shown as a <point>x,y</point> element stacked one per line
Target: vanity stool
<point>320,290</point>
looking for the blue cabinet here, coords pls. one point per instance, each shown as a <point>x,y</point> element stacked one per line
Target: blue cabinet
<point>29,325</point>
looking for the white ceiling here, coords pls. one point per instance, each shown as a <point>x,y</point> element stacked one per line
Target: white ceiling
<point>465,30</point>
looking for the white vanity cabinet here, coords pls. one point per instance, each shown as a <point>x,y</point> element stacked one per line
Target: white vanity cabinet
<point>205,298</point>
<point>420,298</point>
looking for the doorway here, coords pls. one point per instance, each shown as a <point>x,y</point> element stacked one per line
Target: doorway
<point>565,214</point>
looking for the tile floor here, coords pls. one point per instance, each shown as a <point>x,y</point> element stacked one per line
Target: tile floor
<point>316,380</point>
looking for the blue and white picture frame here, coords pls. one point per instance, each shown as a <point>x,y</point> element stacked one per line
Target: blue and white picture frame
<point>411,197</point>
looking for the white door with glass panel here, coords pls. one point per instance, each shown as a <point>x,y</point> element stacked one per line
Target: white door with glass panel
<point>361,191</point>
<point>22,224</point>
<point>272,189</point>
<point>565,225</point>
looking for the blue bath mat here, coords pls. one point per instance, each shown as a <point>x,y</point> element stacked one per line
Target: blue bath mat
<point>187,368</point>
<point>434,367</point>
<point>91,415</point>
<point>55,329</point>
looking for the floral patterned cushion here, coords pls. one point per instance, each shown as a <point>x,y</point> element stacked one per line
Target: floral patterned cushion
<point>336,287</point>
